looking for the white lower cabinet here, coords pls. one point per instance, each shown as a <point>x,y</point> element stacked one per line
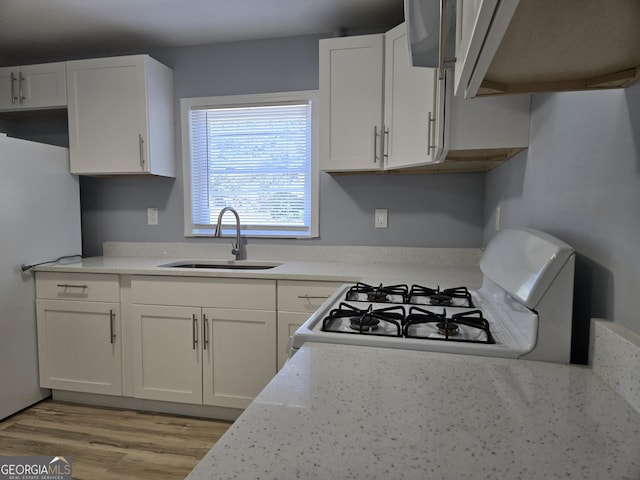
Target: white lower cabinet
<point>79,332</point>
<point>79,349</point>
<point>239,355</point>
<point>191,340</point>
<point>297,300</point>
<point>221,356</point>
<point>167,363</point>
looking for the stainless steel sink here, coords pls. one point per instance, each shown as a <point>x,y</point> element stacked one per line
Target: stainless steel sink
<point>222,265</point>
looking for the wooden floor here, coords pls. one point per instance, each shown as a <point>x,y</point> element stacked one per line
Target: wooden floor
<point>107,443</point>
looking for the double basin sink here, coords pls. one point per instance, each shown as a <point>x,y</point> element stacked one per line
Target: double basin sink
<point>222,265</point>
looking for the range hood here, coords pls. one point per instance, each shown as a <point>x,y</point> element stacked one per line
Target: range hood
<point>427,22</point>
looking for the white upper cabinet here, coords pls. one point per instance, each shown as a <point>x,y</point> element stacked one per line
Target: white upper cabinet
<point>351,76</point>
<point>481,132</point>
<point>33,87</point>
<point>424,125</point>
<point>121,116</point>
<point>412,107</point>
<point>526,46</point>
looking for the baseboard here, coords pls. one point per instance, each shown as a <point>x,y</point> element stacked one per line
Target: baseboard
<point>203,411</point>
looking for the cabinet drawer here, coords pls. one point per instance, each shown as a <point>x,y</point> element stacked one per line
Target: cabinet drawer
<point>303,296</point>
<point>93,287</point>
<point>246,293</point>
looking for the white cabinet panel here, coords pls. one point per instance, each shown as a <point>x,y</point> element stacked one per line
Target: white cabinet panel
<point>79,346</point>
<point>167,357</point>
<point>33,87</point>
<point>412,117</point>
<point>304,295</point>
<point>244,293</point>
<point>240,356</point>
<point>351,75</point>
<point>121,117</point>
<point>78,286</point>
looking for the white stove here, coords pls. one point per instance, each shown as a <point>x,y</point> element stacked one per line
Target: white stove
<point>522,310</point>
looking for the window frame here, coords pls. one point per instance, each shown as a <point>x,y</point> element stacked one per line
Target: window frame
<point>187,104</point>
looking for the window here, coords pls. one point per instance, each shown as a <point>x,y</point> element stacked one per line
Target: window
<point>254,153</point>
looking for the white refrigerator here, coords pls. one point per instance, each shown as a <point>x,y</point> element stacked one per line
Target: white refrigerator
<point>39,221</point>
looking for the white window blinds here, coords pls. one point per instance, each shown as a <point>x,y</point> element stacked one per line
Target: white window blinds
<point>256,159</point>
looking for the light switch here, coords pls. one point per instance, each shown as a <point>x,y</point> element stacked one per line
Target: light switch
<point>152,216</point>
<point>381,217</point>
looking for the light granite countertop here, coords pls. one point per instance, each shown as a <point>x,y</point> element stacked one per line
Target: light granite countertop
<point>352,412</point>
<point>444,267</point>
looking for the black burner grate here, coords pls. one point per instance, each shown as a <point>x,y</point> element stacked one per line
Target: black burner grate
<point>366,321</point>
<point>441,297</point>
<point>448,327</point>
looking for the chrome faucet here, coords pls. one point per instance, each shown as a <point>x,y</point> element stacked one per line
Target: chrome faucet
<point>237,248</point>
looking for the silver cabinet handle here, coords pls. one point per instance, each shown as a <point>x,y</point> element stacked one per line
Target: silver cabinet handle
<point>21,81</point>
<point>375,144</point>
<point>205,331</point>
<point>385,144</point>
<point>141,147</point>
<point>112,326</point>
<point>195,331</point>
<point>309,297</point>
<point>13,88</point>
<point>70,285</point>
<point>431,129</point>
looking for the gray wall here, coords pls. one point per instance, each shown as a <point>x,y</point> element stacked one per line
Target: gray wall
<point>430,211</point>
<point>580,180</point>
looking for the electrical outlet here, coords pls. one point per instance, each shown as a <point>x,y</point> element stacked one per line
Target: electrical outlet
<point>381,217</point>
<point>152,216</point>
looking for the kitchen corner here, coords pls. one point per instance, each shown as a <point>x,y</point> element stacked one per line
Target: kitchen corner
<point>352,411</point>
<point>365,412</point>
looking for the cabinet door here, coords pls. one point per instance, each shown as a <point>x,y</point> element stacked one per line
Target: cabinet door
<point>410,113</point>
<point>33,87</point>
<point>351,76</point>
<point>43,86</point>
<point>167,359</point>
<point>472,24</point>
<point>288,323</point>
<point>79,346</point>
<point>108,115</point>
<point>239,349</point>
